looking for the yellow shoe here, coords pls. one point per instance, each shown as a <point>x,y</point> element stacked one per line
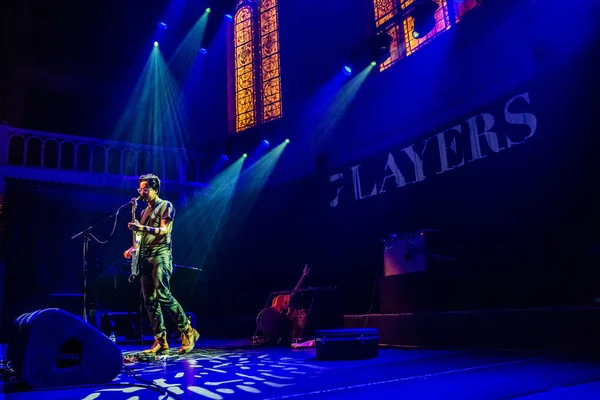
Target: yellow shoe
<point>159,346</point>
<point>188,340</point>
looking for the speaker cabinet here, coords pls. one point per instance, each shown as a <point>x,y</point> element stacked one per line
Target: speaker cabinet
<point>52,348</point>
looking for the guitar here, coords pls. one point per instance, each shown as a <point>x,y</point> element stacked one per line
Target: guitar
<point>281,303</point>
<point>269,320</point>
<point>137,237</point>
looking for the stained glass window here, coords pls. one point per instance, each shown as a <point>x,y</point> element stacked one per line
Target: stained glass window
<point>384,10</point>
<point>397,47</point>
<point>392,16</point>
<point>270,69</point>
<point>464,6</point>
<point>442,24</point>
<point>257,64</point>
<point>245,70</point>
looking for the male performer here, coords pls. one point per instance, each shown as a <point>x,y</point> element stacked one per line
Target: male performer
<point>156,267</point>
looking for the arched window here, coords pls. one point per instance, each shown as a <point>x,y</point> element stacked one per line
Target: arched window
<point>394,17</point>
<point>257,64</point>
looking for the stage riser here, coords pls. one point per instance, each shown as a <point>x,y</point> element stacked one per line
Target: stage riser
<point>564,329</point>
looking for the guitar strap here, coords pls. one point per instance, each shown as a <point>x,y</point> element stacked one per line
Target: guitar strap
<point>145,216</point>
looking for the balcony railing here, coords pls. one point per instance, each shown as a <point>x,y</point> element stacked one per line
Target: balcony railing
<point>57,157</point>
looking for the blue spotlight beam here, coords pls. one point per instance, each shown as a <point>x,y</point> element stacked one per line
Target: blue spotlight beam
<point>202,221</point>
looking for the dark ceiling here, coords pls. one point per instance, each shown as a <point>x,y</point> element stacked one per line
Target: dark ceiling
<point>100,40</point>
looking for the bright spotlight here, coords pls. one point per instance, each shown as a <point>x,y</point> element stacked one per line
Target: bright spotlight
<point>208,9</point>
<point>287,140</point>
<point>224,157</point>
<point>162,26</point>
<point>266,142</point>
<point>424,15</point>
<point>155,44</point>
<point>245,155</point>
<point>373,63</point>
<point>203,51</point>
<point>228,17</point>
<point>347,70</point>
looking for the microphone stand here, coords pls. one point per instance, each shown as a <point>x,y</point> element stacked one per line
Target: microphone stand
<point>86,241</point>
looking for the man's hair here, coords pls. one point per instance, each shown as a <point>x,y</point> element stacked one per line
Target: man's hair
<point>153,181</point>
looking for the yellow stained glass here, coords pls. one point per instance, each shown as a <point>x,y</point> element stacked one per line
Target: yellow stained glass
<point>384,10</point>
<point>270,66</point>
<point>442,24</point>
<point>245,67</point>
<point>463,7</point>
<point>396,47</point>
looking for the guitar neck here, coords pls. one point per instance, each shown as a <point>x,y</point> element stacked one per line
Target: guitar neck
<point>300,283</point>
<point>133,209</point>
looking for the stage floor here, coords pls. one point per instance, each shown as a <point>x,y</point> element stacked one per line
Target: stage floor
<point>229,369</point>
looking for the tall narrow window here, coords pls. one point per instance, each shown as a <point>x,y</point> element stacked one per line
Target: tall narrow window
<point>270,99</point>
<point>257,62</point>
<point>245,70</point>
<point>385,10</point>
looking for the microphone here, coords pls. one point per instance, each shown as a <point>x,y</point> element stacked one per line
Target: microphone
<point>131,201</point>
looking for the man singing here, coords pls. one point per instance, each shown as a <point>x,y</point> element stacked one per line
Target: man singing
<point>156,267</point>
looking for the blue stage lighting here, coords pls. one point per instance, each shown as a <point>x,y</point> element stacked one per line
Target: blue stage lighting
<point>162,26</point>
<point>203,51</point>
<point>266,143</point>
<point>347,70</point>
<point>224,157</point>
<point>228,17</point>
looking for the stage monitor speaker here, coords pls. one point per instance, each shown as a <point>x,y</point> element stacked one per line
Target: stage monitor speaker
<point>404,254</point>
<point>52,348</point>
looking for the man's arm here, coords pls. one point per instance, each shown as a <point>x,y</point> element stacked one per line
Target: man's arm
<point>165,227</point>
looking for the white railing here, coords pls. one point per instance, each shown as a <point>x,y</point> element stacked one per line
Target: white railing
<point>39,155</point>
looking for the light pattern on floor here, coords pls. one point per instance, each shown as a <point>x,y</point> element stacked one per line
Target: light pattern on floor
<point>217,374</point>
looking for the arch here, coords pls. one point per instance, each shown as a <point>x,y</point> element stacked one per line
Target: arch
<point>144,162</point>
<point>16,150</point>
<point>99,163</point>
<point>158,164</point>
<point>83,157</point>
<point>67,155</point>
<point>33,151</point>
<point>128,162</point>
<point>51,153</point>
<point>114,160</point>
<point>172,166</point>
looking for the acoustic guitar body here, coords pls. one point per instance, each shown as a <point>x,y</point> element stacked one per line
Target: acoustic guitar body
<point>281,303</point>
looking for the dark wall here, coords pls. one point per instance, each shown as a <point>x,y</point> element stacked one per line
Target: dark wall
<point>520,223</point>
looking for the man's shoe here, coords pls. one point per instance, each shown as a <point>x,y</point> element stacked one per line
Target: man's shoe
<point>159,346</point>
<point>188,340</point>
